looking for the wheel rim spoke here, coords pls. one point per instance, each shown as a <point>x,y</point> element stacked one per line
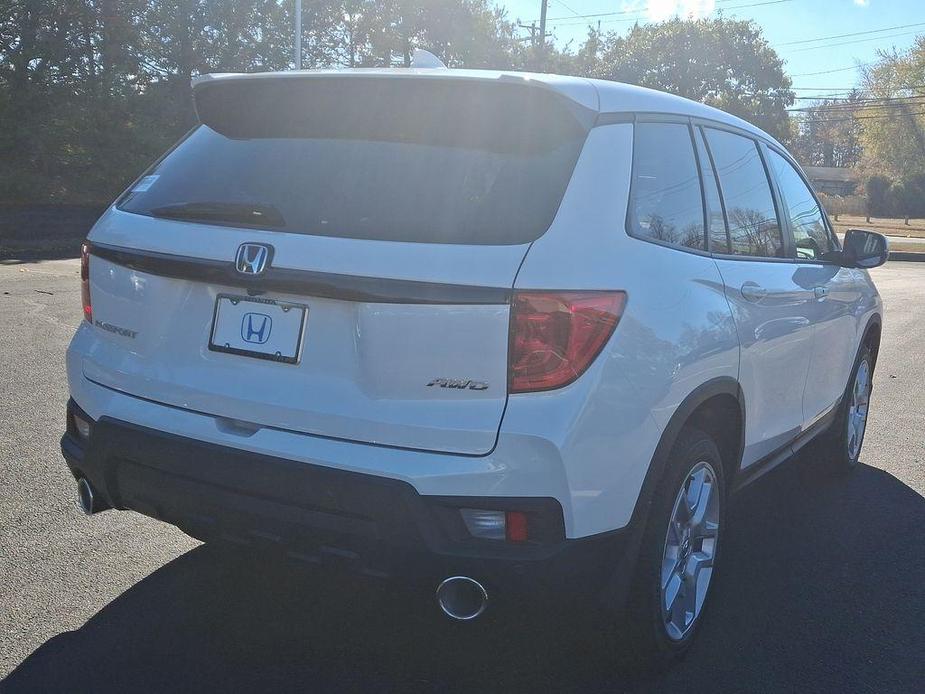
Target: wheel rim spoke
<point>688,604</point>
<point>672,590</point>
<point>698,517</point>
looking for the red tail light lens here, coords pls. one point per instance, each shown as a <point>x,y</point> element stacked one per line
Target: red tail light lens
<point>85,280</point>
<point>556,335</point>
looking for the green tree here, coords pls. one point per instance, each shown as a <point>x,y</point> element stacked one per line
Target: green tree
<point>877,188</point>
<point>462,33</point>
<point>179,39</point>
<point>49,63</point>
<point>893,130</point>
<point>726,63</point>
<point>828,133</point>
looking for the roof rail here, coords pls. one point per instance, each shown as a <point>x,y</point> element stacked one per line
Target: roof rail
<point>422,58</point>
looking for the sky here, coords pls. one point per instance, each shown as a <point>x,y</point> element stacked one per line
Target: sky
<point>789,26</point>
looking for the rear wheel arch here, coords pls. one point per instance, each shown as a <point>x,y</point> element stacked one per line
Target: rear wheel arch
<point>717,408</point>
<point>703,406</point>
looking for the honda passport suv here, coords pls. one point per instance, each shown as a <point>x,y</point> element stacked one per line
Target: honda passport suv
<point>507,334</point>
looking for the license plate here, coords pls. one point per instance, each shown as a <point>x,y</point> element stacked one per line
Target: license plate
<point>258,327</point>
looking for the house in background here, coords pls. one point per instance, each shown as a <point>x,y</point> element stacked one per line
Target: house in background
<point>832,180</point>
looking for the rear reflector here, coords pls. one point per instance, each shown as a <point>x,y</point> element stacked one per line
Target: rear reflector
<point>516,526</point>
<point>85,280</point>
<point>555,336</point>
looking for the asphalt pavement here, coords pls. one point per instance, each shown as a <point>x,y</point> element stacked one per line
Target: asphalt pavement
<point>823,587</point>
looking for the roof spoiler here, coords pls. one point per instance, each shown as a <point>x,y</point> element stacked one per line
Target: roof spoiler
<point>218,97</point>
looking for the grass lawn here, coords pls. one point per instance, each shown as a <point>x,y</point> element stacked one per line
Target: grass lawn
<point>895,229</point>
<point>890,227</point>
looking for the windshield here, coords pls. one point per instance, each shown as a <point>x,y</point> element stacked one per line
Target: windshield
<point>397,160</point>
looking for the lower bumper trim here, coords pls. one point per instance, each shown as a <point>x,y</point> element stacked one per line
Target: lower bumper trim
<point>319,515</point>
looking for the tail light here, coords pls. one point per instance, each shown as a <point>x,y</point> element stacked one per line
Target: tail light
<point>85,280</point>
<point>556,335</point>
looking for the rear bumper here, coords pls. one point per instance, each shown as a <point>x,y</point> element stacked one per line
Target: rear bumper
<point>320,515</point>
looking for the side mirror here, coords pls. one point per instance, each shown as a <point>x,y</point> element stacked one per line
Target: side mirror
<point>864,249</point>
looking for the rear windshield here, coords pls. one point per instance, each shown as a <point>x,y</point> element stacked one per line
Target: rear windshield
<point>388,159</point>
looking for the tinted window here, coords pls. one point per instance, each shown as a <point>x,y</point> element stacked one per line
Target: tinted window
<point>753,225</point>
<point>665,201</point>
<point>394,160</point>
<point>719,237</point>
<point>809,231</point>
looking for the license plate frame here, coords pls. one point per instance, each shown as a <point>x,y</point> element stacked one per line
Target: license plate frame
<point>273,308</point>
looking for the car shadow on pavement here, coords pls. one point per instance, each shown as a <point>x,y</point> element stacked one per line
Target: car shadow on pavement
<point>33,257</point>
<point>823,590</point>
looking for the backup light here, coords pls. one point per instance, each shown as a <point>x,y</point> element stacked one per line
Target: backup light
<point>488,525</point>
<point>495,525</point>
<point>82,426</point>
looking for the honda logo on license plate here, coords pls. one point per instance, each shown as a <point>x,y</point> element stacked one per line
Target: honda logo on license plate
<point>256,327</point>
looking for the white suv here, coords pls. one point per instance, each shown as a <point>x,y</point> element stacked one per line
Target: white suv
<point>501,332</point>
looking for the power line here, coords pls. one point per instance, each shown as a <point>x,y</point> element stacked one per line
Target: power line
<point>838,69</point>
<point>789,43</point>
<point>637,10</point>
<point>559,2</point>
<point>848,100</point>
<point>570,21</point>
<point>891,102</point>
<point>846,43</point>
<point>856,33</point>
<point>822,97</point>
<point>893,116</point>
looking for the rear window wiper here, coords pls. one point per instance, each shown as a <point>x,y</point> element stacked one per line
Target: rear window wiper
<point>235,212</point>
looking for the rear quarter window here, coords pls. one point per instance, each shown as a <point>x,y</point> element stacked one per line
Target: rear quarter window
<point>665,197</point>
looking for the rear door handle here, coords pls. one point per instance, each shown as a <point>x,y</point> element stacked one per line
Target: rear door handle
<point>753,292</point>
<point>821,292</point>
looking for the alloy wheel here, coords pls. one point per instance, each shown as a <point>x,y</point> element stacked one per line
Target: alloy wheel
<point>858,405</point>
<point>690,550</point>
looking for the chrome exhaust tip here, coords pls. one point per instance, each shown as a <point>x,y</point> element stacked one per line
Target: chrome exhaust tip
<point>85,498</point>
<point>462,598</point>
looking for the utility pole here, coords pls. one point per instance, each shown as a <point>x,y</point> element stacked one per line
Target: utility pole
<point>298,34</point>
<point>531,27</point>
<point>543,4</point>
<point>537,38</point>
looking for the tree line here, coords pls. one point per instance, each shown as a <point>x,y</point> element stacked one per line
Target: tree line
<point>91,91</point>
<point>878,129</point>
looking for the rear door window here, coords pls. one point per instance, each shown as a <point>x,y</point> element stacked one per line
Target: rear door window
<point>665,198</point>
<point>415,160</point>
<point>754,229</point>
<point>810,234</point>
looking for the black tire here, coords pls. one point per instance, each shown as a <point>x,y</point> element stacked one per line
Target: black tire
<point>835,441</point>
<point>648,636</point>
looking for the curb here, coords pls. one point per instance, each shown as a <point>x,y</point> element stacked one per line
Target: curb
<point>907,256</point>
